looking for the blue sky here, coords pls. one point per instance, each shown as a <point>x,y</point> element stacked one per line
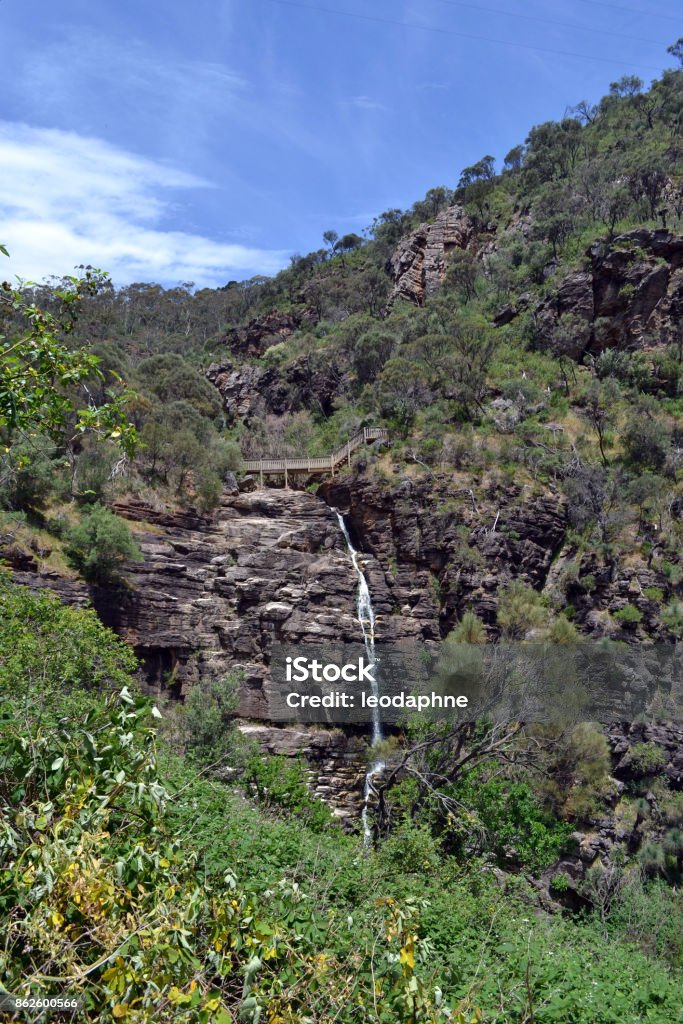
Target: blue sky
<point>211,140</point>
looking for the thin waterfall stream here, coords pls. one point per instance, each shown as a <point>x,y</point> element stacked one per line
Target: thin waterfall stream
<point>366,618</point>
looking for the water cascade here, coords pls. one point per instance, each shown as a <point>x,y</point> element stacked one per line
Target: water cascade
<point>366,618</point>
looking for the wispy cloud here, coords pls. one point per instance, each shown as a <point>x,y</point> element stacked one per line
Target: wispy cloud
<point>366,103</point>
<point>67,199</point>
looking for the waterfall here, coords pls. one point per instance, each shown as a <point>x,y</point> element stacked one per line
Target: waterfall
<point>366,618</point>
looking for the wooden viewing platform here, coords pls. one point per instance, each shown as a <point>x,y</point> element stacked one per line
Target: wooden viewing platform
<point>322,464</point>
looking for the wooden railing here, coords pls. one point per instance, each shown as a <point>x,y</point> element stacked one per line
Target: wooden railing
<point>322,464</point>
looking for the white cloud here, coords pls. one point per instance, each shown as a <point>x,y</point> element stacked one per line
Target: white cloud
<point>67,199</point>
<point>366,103</point>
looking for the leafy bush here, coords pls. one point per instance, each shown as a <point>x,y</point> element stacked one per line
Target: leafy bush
<point>563,631</point>
<point>559,883</point>
<point>652,859</point>
<point>470,630</point>
<point>518,830</point>
<point>65,650</point>
<point>520,609</point>
<point>629,615</point>
<point>281,782</point>
<point>646,442</point>
<point>647,759</point>
<point>100,545</point>
<point>207,721</point>
<point>672,618</point>
<point>576,772</point>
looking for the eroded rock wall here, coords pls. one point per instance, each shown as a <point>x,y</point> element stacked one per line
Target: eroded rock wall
<point>418,266</point>
<point>628,294</point>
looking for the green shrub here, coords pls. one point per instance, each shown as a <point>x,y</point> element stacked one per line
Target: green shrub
<point>647,759</point>
<point>629,615</point>
<point>470,630</point>
<point>520,609</point>
<point>672,618</point>
<point>517,828</point>
<point>281,782</point>
<point>56,649</point>
<point>207,721</point>
<point>673,842</point>
<point>100,545</point>
<point>650,915</point>
<point>563,631</point>
<point>646,442</point>
<point>560,882</point>
<point>652,859</point>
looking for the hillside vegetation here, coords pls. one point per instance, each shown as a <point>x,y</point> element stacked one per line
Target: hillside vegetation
<point>153,864</point>
<point>501,378</point>
<point>135,884</point>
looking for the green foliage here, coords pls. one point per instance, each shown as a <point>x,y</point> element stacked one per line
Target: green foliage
<point>207,721</point>
<point>629,615</point>
<point>576,769</point>
<point>649,915</point>
<point>41,376</point>
<point>171,379</point>
<point>646,441</point>
<point>520,609</point>
<point>559,883</point>
<point>470,630</point>
<point>281,782</point>
<point>646,759</point>
<point>160,894</point>
<point>652,859</point>
<point>101,544</point>
<point>672,618</point>
<point>518,830</point>
<point>563,631</point>
<point>56,648</point>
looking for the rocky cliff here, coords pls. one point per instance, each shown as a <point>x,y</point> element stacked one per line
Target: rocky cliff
<point>628,294</point>
<point>448,551</point>
<point>418,266</point>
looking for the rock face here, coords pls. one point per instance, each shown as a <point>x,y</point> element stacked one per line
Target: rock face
<point>213,593</point>
<point>629,294</point>
<point>418,266</point>
<point>447,553</point>
<point>239,389</point>
<point>249,391</point>
<point>263,332</point>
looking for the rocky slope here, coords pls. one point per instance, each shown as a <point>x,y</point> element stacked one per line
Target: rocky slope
<point>628,293</point>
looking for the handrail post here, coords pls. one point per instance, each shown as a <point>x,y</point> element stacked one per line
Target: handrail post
<point>348,454</point>
<point>261,473</point>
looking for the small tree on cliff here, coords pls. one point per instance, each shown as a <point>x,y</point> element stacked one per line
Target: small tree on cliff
<point>100,545</point>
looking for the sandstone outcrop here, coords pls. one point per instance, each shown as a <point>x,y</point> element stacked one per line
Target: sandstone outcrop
<point>418,266</point>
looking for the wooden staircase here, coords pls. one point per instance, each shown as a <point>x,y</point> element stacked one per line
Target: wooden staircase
<point>323,464</point>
